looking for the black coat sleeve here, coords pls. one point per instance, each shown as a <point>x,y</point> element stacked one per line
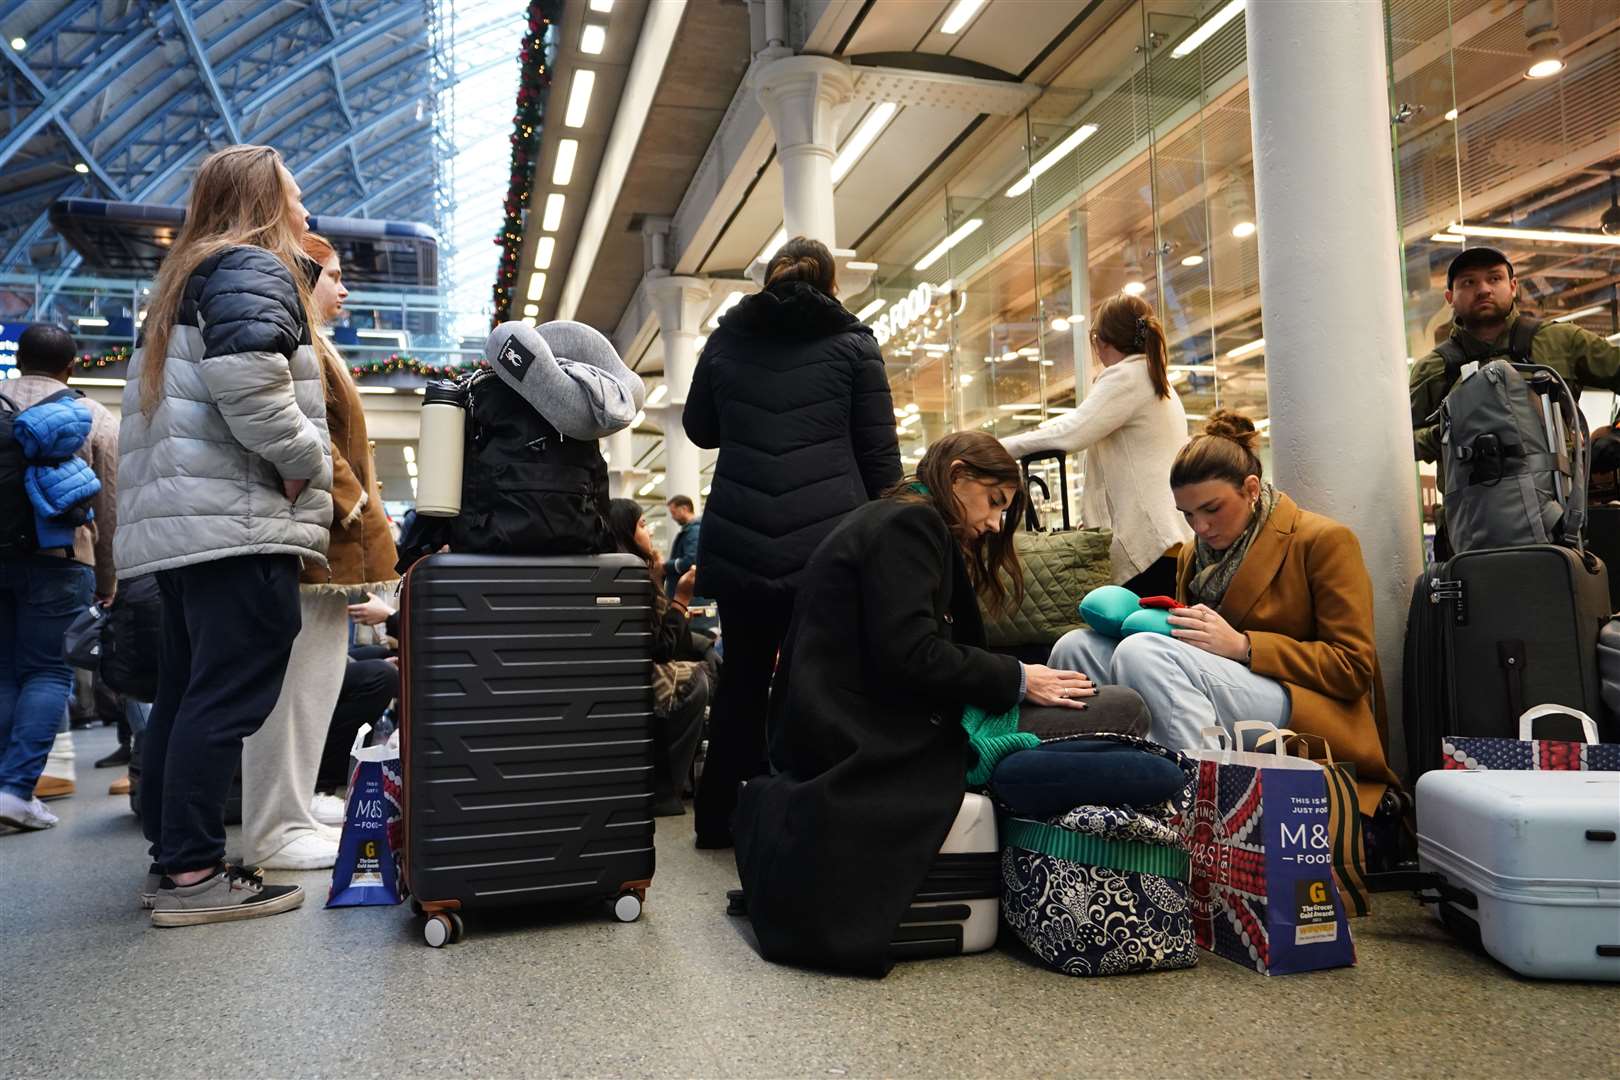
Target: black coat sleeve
<point>877,447</point>
<point>701,417</point>
<point>249,304</point>
<point>905,569</point>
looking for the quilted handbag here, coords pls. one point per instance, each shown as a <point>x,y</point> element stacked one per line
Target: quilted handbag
<point>1059,568</point>
<point>1101,890</point>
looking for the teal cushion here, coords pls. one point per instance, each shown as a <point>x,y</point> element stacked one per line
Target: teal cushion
<point>1105,609</point>
<point>1146,621</point>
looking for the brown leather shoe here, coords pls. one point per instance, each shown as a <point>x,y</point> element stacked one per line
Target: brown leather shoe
<point>120,786</point>
<point>52,787</point>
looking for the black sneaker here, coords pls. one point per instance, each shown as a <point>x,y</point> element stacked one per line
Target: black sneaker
<point>115,760</point>
<point>228,894</point>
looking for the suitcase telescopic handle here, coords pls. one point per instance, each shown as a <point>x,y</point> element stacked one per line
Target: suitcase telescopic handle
<point>1063,476</point>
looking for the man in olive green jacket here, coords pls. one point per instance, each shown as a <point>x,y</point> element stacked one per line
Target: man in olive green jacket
<point>1481,289</point>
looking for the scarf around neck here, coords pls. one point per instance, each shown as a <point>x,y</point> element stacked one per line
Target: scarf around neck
<point>1213,570</point>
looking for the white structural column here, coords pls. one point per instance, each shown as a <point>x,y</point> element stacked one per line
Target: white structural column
<point>680,303</point>
<point>1330,288</point>
<point>621,453</point>
<point>1080,302</point>
<point>805,98</point>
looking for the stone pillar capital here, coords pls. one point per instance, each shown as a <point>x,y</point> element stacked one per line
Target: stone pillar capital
<point>805,97</point>
<point>679,302</point>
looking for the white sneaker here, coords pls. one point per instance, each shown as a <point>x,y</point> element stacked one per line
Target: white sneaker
<point>27,814</point>
<point>327,809</point>
<point>307,851</point>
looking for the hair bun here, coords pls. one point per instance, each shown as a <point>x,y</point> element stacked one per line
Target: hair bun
<point>1226,424</point>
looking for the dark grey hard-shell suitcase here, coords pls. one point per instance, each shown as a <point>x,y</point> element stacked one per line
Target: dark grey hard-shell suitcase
<point>526,735</point>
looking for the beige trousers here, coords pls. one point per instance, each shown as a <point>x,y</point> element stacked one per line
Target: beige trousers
<point>280,760</point>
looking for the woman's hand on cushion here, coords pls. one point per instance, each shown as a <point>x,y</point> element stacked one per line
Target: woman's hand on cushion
<point>1049,686</point>
<point>1202,626</point>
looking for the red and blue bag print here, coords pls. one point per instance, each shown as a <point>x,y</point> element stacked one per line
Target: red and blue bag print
<point>1529,754</point>
<point>1259,832</point>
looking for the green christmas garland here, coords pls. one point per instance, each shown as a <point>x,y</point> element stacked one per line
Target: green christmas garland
<point>534,89</point>
<point>405,364</point>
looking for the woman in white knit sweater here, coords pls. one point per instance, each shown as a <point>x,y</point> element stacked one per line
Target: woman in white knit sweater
<point>1131,425</point>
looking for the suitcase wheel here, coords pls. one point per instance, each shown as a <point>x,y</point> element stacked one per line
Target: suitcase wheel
<point>443,929</point>
<point>627,908</point>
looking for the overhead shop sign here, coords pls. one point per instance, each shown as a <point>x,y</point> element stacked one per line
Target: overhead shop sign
<point>904,311</point>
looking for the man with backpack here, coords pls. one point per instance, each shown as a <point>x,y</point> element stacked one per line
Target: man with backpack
<point>47,574</point>
<point>1482,289</point>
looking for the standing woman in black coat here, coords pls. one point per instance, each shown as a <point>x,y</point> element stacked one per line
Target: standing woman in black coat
<point>887,647</point>
<point>791,389</point>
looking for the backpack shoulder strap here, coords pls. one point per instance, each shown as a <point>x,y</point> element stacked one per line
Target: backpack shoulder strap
<point>1524,333</point>
<point>1454,356</point>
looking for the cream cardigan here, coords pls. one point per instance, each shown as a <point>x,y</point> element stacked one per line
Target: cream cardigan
<point>1130,437</point>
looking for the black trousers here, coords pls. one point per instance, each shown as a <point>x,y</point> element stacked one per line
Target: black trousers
<point>228,629</point>
<point>368,687</point>
<point>752,633</point>
<point>1157,580</point>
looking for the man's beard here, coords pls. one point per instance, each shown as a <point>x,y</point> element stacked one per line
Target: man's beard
<point>1484,315</point>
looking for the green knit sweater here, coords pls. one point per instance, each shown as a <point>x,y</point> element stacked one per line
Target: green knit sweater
<point>991,739</point>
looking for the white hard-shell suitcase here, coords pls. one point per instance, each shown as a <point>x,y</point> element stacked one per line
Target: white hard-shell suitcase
<point>1533,860</point>
<point>957,909</point>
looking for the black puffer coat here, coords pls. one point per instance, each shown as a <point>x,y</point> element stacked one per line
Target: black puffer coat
<point>791,389</point>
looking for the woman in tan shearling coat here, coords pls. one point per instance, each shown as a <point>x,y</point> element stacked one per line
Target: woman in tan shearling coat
<point>1278,624</point>
<point>285,826</point>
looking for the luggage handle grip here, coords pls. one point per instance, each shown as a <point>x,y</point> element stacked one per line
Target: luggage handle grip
<point>1527,722</point>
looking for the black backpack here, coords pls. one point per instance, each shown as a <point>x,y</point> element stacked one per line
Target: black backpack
<point>17,534</point>
<point>526,489</point>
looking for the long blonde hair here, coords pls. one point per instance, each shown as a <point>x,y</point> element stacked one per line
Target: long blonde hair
<point>238,198</point>
<point>333,369</point>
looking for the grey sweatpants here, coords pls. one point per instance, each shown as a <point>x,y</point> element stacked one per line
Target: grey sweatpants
<point>280,760</point>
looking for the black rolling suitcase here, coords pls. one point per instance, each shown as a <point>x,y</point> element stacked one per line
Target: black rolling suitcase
<point>1492,633</point>
<point>526,734</point>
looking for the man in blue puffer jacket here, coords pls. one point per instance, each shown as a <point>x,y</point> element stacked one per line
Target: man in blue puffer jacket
<point>49,579</point>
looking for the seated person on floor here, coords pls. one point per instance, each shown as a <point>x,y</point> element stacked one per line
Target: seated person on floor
<point>1278,624</point>
<point>681,684</point>
<point>870,756</point>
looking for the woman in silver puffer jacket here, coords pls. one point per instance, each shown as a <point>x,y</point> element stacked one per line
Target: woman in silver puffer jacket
<point>226,473</point>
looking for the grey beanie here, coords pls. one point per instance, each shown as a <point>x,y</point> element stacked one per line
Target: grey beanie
<point>570,373</point>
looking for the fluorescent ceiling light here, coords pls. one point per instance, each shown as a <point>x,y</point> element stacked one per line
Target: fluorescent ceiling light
<point>658,394</point>
<point>19,43</point>
<point>862,266</point>
<point>562,173</point>
<point>554,211</point>
<point>1243,230</point>
<point>604,6</point>
<point>1208,29</point>
<point>408,452</point>
<point>1027,416</point>
<point>81,168</point>
<point>579,98</point>
<point>1448,238</point>
<point>1059,325</point>
<point>1192,369</point>
<point>375,389</point>
<point>90,320</point>
<point>90,380</point>
<point>1613,338</point>
<point>1193,260</point>
<point>862,140</point>
<point>870,309</point>
<point>1451,114</point>
<point>531,310</point>
<point>1134,288</point>
<point>960,16</point>
<point>1595,309</point>
<point>1051,158</point>
<point>965,380</point>
<point>962,233</point>
<point>647,488</point>
<point>1076,319</point>
<point>1551,236</point>
<point>913,409</point>
<point>639,419</point>
<point>410,468</point>
<point>421,390</point>
<point>543,252</point>
<point>1258,345</point>
<point>593,39</point>
<point>1545,69</point>
<point>384,335</point>
<point>726,305</point>
<point>537,286</point>
<point>413,487</point>
<point>771,245</point>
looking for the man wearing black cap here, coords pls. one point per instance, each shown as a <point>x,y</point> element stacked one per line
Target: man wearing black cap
<point>1481,289</point>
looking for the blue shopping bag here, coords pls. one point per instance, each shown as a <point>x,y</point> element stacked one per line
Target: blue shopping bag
<point>368,871</point>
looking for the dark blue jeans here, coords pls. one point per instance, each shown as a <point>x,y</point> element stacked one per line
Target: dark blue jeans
<point>39,596</point>
<point>1054,778</point>
<point>228,629</point>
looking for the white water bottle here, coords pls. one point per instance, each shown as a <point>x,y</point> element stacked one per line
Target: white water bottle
<point>442,447</point>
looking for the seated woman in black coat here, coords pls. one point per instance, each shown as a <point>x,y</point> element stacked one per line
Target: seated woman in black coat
<point>870,755</point>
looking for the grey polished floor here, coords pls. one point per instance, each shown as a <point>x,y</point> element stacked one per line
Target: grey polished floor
<point>88,988</point>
